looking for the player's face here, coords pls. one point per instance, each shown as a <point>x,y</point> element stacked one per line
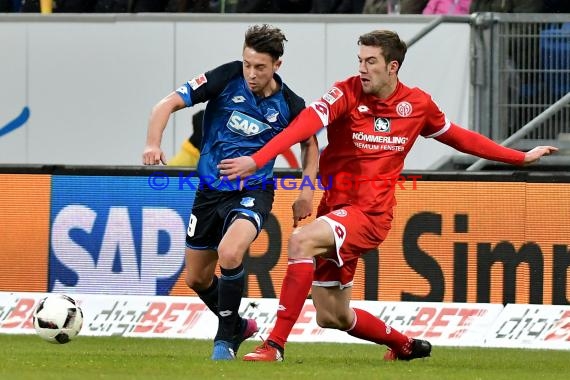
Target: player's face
<point>258,70</point>
<point>376,75</point>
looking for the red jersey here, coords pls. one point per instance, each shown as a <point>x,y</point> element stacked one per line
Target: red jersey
<point>369,139</point>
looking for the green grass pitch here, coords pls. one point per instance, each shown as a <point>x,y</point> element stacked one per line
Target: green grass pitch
<point>85,358</point>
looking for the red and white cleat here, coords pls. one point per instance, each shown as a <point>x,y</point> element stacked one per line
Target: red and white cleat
<point>266,352</point>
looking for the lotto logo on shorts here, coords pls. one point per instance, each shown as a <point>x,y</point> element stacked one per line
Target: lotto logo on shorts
<point>341,213</point>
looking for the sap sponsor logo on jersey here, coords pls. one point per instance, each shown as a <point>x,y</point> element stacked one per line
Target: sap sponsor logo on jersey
<point>333,95</point>
<point>245,125</point>
<point>197,81</point>
<point>381,124</point>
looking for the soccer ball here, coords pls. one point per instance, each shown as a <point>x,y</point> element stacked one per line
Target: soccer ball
<point>57,318</point>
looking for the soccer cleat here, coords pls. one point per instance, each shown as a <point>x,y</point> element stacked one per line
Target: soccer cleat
<point>223,350</point>
<point>248,329</point>
<point>266,352</point>
<point>418,349</point>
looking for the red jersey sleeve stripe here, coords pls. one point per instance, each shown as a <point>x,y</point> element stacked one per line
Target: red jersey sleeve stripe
<point>444,129</point>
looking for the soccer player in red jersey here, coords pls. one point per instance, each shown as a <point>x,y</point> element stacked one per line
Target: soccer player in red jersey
<point>372,122</point>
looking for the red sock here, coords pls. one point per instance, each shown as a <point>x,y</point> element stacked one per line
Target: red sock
<point>294,292</point>
<point>368,327</point>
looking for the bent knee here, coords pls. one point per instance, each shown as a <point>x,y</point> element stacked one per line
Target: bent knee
<point>300,246</point>
<point>230,257</point>
<point>330,321</point>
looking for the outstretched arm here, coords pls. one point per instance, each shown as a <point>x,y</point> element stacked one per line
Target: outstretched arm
<point>535,153</point>
<point>470,142</point>
<point>305,125</point>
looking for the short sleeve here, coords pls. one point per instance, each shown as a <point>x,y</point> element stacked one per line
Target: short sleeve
<point>208,85</point>
<point>436,122</point>
<point>334,103</point>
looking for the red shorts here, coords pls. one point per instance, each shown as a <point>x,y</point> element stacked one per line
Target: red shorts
<point>356,233</point>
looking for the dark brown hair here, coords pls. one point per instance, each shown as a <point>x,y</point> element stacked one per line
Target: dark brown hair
<point>393,48</point>
<point>265,39</point>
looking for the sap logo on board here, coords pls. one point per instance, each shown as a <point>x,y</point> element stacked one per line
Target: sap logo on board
<point>92,254</point>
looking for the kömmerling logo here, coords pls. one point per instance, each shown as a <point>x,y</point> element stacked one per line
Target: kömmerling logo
<point>381,124</point>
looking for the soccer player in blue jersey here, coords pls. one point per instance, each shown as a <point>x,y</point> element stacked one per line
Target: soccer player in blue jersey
<point>248,104</point>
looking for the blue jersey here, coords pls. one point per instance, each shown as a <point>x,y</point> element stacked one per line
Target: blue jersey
<point>236,121</point>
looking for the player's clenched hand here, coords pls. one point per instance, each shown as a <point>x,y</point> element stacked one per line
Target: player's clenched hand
<point>302,208</point>
<point>237,167</point>
<point>153,155</point>
<point>534,154</point>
